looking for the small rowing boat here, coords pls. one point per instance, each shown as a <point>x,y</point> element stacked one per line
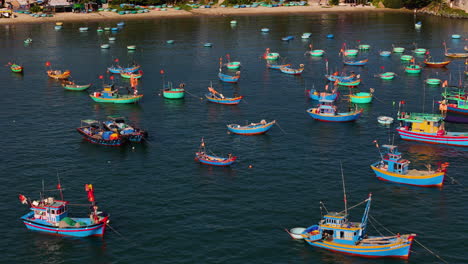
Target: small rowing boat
<point>356,62</point>
<point>130,75</point>
<point>120,125</point>
<point>212,160</point>
<point>218,98</point>
<point>277,66</point>
<point>384,120</point>
<point>291,71</point>
<point>72,86</point>
<point>385,53</point>
<point>251,129</point>
<point>15,67</point>
<point>436,64</point>
<point>413,68</point>
<point>362,97</point>
<point>58,74</point>
<point>387,75</point>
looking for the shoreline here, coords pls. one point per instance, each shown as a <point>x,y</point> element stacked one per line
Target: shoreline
<point>207,12</point>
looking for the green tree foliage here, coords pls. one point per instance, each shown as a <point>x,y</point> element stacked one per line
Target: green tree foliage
<point>416,4</point>
<point>393,3</point>
<point>237,2</point>
<point>333,2</point>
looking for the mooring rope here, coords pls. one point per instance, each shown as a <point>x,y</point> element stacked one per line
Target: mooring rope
<point>280,127</point>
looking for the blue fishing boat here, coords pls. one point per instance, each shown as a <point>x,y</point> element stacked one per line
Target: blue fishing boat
<point>119,69</point>
<point>327,112</point>
<point>51,216</point>
<point>287,38</point>
<point>330,36</point>
<point>385,53</point>
<point>92,132</point>
<point>392,167</point>
<point>335,77</point>
<point>291,71</point>
<point>356,62</point>
<point>336,233</point>
<point>331,96</point>
<point>121,126</point>
<point>228,78</point>
<point>251,129</point>
<point>218,98</point>
<point>213,160</point>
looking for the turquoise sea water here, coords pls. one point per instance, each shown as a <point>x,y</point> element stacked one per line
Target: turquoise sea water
<point>170,209</point>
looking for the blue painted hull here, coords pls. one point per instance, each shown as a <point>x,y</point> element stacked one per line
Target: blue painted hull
<point>453,138</point>
<point>250,131</point>
<point>103,142</point>
<point>318,97</point>
<point>340,117</point>
<point>226,101</point>
<point>355,63</point>
<point>457,110</point>
<point>228,78</point>
<point>222,162</point>
<point>367,250</point>
<point>433,180</point>
<point>115,70</point>
<point>91,230</point>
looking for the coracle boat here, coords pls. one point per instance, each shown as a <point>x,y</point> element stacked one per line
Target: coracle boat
<point>130,75</point>
<point>456,36</point>
<point>315,52</point>
<point>384,120</point>
<point>429,128</point>
<point>120,125</point>
<point>349,82</point>
<point>336,233</point>
<point>406,57</point>
<point>418,25</point>
<point>350,52</point>
<point>52,216</point>
<point>385,53</point>
<point>232,65</point>
<point>131,47</point>
<point>277,66</point>
<point>398,49</point>
<point>327,112</point>
<point>251,129</point>
<point>92,132</point>
<point>413,68</point>
<point>270,55</point>
<point>58,74</point>
<point>109,95</point>
<point>28,41</point>
<point>420,51</point>
<point>436,64</point>
<point>364,47</point>
<point>291,71</point>
<point>387,75</point>
<point>287,38</point>
<point>356,63</point>
<point>392,167</point>
<point>170,92</point>
<point>362,97</point>
<point>15,67</point>
<point>218,98</point>
<point>433,81</point>
<point>71,86</point>
<point>212,160</point>
<point>83,29</point>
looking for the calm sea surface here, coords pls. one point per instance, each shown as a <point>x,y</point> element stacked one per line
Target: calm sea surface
<point>167,208</point>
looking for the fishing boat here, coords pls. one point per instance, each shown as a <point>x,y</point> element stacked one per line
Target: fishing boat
<point>119,124</point>
<point>131,47</point>
<point>232,65</point>
<point>119,69</point>
<point>291,71</point>
<point>385,53</point>
<point>315,52</point>
<point>420,51</point>
<point>265,30</point>
<point>287,38</point>
<point>94,133</point>
<point>433,81</point>
<point>331,96</point>
<point>129,75</point>
<point>362,97</point>
<point>413,68</point>
<point>72,86</point>
<point>218,98</point>
<point>202,157</point>
<point>170,92</point>
<point>457,105</point>
<point>398,49</point>
<point>251,129</point>
<point>121,24</point>
<point>456,36</point>
<point>406,57</point>
<point>349,82</point>
<point>208,45</point>
<point>327,112</point>
<point>436,64</point>
<point>15,67</point>
<point>336,233</point>
<point>392,167</point>
<point>83,29</point>
<point>228,78</point>
<point>387,75</point>
<point>50,215</point>
<point>385,120</point>
<point>58,74</point>
<point>418,25</point>
<point>356,62</point>
<point>270,55</point>
<point>454,54</point>
<point>335,77</point>
<point>277,66</point>
<point>350,52</point>
<point>111,95</point>
<point>429,128</point>
<point>364,47</point>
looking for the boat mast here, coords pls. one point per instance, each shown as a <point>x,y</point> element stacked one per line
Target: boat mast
<point>344,190</point>
<point>59,186</point>
<point>365,217</point>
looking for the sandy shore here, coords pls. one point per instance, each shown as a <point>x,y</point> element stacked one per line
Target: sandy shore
<point>215,11</point>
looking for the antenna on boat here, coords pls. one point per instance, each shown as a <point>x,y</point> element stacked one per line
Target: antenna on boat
<point>42,193</point>
<point>59,186</point>
<point>344,190</point>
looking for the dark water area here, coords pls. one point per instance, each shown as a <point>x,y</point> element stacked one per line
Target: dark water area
<point>170,209</point>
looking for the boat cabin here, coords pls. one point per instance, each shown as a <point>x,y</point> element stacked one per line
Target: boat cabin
<point>326,107</point>
<point>393,162</point>
<point>336,227</point>
<point>421,122</point>
<point>50,210</point>
<point>109,92</point>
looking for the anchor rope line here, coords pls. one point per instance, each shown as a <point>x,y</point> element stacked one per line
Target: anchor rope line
<point>378,231</point>
<point>356,205</point>
<point>419,243</point>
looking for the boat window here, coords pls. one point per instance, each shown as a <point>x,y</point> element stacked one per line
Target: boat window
<point>341,234</point>
<point>52,211</point>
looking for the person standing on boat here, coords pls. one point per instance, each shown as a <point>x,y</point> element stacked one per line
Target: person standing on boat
<point>443,108</point>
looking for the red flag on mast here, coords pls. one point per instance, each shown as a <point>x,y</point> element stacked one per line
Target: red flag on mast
<point>89,188</point>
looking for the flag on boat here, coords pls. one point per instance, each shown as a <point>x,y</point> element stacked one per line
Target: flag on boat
<point>47,64</point>
<point>89,188</point>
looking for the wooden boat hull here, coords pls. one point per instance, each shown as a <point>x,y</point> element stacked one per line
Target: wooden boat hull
<point>119,100</point>
<point>233,65</point>
<point>395,250</point>
<point>104,142</point>
<point>340,117</point>
<point>387,76</point>
<point>228,78</point>
<point>413,69</point>
<point>246,131</point>
<point>436,64</point>
<point>91,230</point>
<point>127,75</point>
<point>314,95</point>
<point>271,56</point>
<point>74,87</point>
<point>174,93</point>
<point>221,163</point>
<point>291,71</point>
<point>356,63</point>
<point>451,138</point>
<point>225,101</point>
<point>457,55</point>
<point>361,98</point>
<point>433,180</point>
<point>277,66</point>
<point>433,81</point>
<point>65,75</point>
<point>456,109</point>
<point>349,83</point>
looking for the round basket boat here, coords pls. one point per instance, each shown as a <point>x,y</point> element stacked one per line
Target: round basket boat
<point>387,75</point>
<point>398,50</point>
<point>208,45</point>
<point>131,47</point>
<point>385,53</point>
<point>413,69</point>
<point>265,30</point>
<point>171,41</point>
<point>111,38</point>
<point>330,36</point>
<point>385,120</point>
<point>233,65</point>
<point>233,22</point>
<point>317,53</point>
<point>406,57</point>
<point>105,46</point>
<point>433,81</point>
<point>456,36</point>
<point>361,98</point>
<point>364,47</point>
<point>59,23</point>
<point>296,232</point>
<point>420,51</point>
<point>351,52</point>
<point>58,27</point>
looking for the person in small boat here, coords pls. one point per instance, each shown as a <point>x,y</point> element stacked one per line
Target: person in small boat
<point>263,122</point>
<point>443,107</point>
